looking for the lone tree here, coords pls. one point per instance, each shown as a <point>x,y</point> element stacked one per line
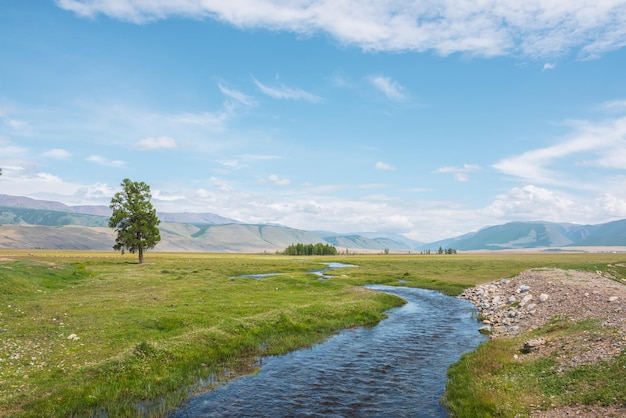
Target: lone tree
<point>134,219</point>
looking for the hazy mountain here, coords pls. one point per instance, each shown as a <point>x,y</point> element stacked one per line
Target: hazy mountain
<point>612,233</point>
<point>342,242</point>
<point>397,238</point>
<point>519,235</point>
<point>31,223</point>
<point>101,210</point>
<point>27,202</point>
<point>195,218</point>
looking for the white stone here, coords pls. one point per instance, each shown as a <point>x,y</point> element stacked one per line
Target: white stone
<point>526,299</point>
<point>73,337</point>
<point>613,298</point>
<point>543,297</point>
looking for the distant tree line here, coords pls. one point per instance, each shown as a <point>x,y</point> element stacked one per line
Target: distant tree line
<point>310,249</point>
<point>441,250</point>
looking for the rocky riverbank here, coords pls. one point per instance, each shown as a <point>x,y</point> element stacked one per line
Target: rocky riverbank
<point>510,307</point>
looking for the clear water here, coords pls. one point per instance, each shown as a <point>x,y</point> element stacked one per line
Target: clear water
<point>394,369</point>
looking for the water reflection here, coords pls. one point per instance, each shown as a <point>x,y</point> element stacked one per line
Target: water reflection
<point>318,272</point>
<point>394,369</point>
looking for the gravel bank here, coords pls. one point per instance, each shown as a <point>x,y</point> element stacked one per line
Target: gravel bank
<point>529,300</point>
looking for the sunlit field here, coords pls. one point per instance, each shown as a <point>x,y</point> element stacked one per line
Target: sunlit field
<point>95,333</point>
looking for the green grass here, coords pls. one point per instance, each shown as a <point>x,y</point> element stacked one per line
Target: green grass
<point>150,335</point>
<point>492,382</point>
<point>451,274</point>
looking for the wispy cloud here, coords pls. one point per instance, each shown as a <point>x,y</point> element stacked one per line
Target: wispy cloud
<point>8,120</point>
<point>237,96</point>
<point>383,166</point>
<point>283,92</point>
<point>9,150</point>
<point>487,28</point>
<point>212,119</point>
<point>103,161</point>
<point>388,87</point>
<point>155,143</point>
<point>598,145</point>
<point>274,179</point>
<point>232,164</point>
<point>244,160</point>
<point>460,173</point>
<point>259,157</point>
<point>56,153</point>
<point>615,105</point>
<point>548,66</point>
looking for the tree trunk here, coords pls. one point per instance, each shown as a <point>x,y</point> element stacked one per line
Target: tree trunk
<point>140,255</point>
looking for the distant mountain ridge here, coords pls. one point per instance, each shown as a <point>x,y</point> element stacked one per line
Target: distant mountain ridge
<point>31,223</point>
<point>101,210</point>
<point>538,234</point>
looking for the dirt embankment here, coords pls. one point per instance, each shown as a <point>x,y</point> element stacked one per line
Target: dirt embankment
<point>531,299</point>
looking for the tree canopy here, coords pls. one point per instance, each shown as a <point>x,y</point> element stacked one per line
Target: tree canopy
<point>310,249</point>
<point>134,219</point>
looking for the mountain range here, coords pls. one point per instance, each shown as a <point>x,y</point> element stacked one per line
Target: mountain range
<point>31,223</point>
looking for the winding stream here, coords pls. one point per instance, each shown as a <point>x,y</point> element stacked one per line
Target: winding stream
<point>394,369</point>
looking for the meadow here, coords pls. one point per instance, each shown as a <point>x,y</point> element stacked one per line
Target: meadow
<point>96,334</point>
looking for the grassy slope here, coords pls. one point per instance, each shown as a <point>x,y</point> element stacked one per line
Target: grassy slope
<point>147,331</point>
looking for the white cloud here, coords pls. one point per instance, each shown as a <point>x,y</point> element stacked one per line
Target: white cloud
<point>283,92</point>
<point>534,28</point>
<point>18,181</point>
<point>274,179</point>
<point>103,161</point>
<point>232,164</point>
<point>9,150</point>
<point>56,153</point>
<point>96,193</point>
<point>532,203</point>
<point>237,96</point>
<point>260,157</point>
<point>216,119</point>
<point>548,66</point>
<point>460,173</point>
<point>244,160</point>
<point>615,105</point>
<point>166,196</point>
<point>16,125</point>
<point>388,87</point>
<point>383,166</point>
<point>602,144</point>
<point>155,143</point>
<point>611,206</point>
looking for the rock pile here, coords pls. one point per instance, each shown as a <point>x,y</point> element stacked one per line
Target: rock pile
<point>529,300</point>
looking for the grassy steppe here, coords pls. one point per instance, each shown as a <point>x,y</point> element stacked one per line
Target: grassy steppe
<point>149,335</point>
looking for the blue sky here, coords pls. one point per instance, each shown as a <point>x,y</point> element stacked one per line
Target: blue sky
<point>429,119</point>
